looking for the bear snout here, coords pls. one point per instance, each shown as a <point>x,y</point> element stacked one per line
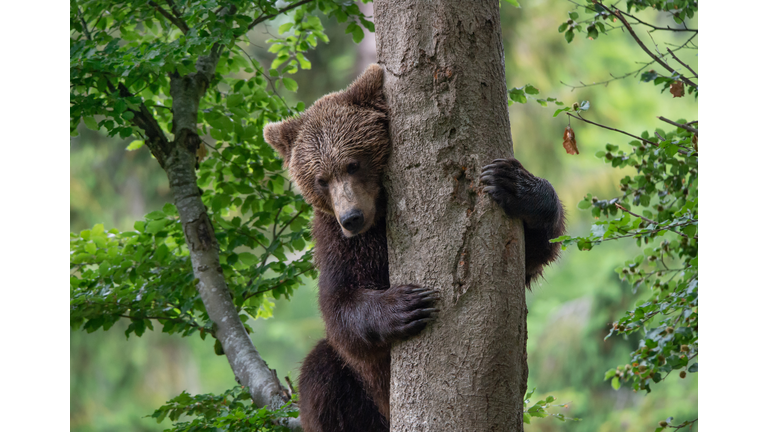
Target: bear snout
<point>353,221</point>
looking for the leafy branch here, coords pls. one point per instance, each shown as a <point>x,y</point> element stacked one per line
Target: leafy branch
<point>618,14</point>
<point>175,19</point>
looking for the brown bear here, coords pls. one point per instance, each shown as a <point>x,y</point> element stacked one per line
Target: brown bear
<point>336,152</point>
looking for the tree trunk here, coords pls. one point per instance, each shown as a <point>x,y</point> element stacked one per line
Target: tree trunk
<point>177,158</point>
<point>446,93</point>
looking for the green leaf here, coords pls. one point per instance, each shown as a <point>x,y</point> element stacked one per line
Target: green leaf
<point>573,15</point>
<point>615,383</point>
<point>157,214</point>
<point>248,259</point>
<point>690,230</point>
<point>290,84</point>
<point>569,36</point>
<point>234,100</point>
<point>356,30</point>
<point>170,209</point>
<point>562,27</point>
<point>513,3</point>
<point>517,94</point>
<point>531,90</point>
<point>90,123</point>
<point>284,28</point>
<point>155,227</point>
<point>584,205</point>
<point>135,145</point>
<point>592,32</point>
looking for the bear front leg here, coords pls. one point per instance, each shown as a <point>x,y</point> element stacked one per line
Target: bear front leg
<point>524,196</point>
<point>366,319</point>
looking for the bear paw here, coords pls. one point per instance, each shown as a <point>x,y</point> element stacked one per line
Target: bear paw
<point>516,190</point>
<point>413,308</point>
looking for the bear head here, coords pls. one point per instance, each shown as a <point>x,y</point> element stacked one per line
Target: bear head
<point>336,151</point>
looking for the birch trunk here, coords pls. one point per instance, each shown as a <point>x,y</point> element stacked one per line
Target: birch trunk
<point>446,92</point>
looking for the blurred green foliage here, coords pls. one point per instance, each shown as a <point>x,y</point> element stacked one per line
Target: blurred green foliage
<point>115,382</point>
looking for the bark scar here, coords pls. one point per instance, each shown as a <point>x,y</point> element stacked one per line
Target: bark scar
<point>199,234</point>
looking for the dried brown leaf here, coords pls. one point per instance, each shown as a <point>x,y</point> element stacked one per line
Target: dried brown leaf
<point>677,89</point>
<point>569,141</point>
<point>201,153</point>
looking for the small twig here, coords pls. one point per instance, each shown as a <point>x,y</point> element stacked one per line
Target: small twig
<point>269,80</point>
<point>682,126</point>
<point>174,9</point>
<point>650,221</point>
<point>262,291</point>
<point>616,78</point>
<point>290,385</point>
<point>679,61</point>
<point>178,320</point>
<point>667,28</point>
<point>288,223</point>
<point>625,133</point>
<point>178,22</point>
<point>634,214</point>
<point>686,423</point>
<point>277,222</point>
<point>613,129</point>
<point>86,32</point>
<point>261,19</point>
<point>618,14</point>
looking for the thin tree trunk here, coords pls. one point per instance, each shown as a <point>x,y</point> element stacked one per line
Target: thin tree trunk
<point>446,93</point>
<point>177,158</point>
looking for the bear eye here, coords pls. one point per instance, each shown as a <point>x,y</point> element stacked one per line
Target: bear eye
<point>322,183</point>
<point>352,168</point>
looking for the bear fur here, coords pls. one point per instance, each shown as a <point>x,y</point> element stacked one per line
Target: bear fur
<point>336,151</point>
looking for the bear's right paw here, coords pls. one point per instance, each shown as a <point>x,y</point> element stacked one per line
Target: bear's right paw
<point>413,308</point>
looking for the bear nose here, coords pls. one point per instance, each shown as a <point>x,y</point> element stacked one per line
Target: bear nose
<point>353,220</point>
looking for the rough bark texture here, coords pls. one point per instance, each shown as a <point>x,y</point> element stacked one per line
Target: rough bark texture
<point>446,93</point>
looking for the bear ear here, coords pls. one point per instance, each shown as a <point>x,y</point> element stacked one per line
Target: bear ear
<point>281,136</point>
<point>368,89</point>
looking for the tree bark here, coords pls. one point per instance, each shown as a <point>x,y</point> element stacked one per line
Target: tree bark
<point>447,97</point>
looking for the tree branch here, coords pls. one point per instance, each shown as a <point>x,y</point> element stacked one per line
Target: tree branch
<point>646,219</point>
<point>679,61</point>
<point>175,20</point>
<point>262,18</point>
<point>174,9</point>
<point>86,32</point>
<point>683,126</point>
<point>261,291</point>
<point>618,14</point>
<point>156,140</point>
<point>579,117</point>
<point>634,72</point>
<point>667,28</point>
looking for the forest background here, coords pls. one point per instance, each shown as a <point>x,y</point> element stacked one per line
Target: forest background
<point>115,383</point>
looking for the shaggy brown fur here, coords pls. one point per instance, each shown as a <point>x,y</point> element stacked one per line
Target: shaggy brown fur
<point>336,152</point>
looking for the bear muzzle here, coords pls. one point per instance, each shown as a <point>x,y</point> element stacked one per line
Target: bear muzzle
<point>353,221</point>
<point>353,205</point>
